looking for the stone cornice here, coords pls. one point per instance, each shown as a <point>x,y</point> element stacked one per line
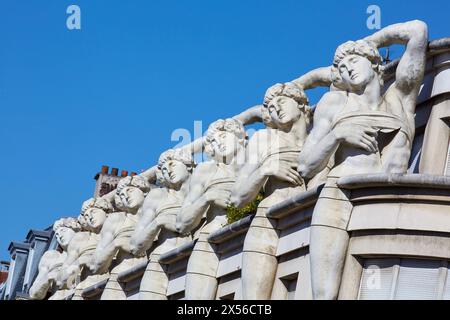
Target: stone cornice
<point>177,253</point>
<point>400,180</point>
<point>300,201</point>
<point>231,230</point>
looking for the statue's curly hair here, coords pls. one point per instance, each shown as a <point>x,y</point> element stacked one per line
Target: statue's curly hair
<point>290,90</point>
<point>99,203</point>
<point>228,125</point>
<point>71,223</point>
<point>361,48</point>
<point>133,181</point>
<point>174,154</point>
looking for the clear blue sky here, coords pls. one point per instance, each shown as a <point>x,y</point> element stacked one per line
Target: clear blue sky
<point>113,92</point>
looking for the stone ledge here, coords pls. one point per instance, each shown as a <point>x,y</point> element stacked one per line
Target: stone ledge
<point>231,230</point>
<point>132,273</point>
<point>177,253</point>
<point>439,45</point>
<point>94,289</point>
<point>69,297</point>
<point>22,296</point>
<point>295,203</point>
<point>399,180</point>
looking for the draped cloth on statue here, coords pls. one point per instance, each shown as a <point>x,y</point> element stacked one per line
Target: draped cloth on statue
<point>383,121</point>
<point>127,227</point>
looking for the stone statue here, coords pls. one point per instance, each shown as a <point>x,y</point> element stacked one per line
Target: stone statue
<point>93,214</point>
<point>49,269</point>
<point>119,226</point>
<point>158,219</point>
<point>365,130</point>
<point>209,193</point>
<point>114,243</point>
<point>51,264</point>
<point>82,247</point>
<point>271,165</point>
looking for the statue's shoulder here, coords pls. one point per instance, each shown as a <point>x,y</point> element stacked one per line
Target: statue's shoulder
<point>153,198</point>
<point>205,166</point>
<point>156,192</point>
<point>259,141</point>
<point>77,241</point>
<point>80,237</point>
<point>261,134</point>
<point>330,104</point>
<point>113,218</point>
<point>50,256</point>
<point>202,171</point>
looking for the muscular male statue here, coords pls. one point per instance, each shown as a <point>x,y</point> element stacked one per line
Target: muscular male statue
<point>52,260</point>
<point>366,131</point>
<point>119,226</point>
<point>49,268</point>
<point>209,192</point>
<point>271,164</point>
<point>158,218</point>
<point>82,247</point>
<point>51,264</point>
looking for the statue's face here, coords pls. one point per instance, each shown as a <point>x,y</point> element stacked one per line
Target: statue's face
<point>175,172</point>
<point>224,145</point>
<point>356,72</point>
<point>92,219</point>
<point>131,197</point>
<point>64,235</point>
<point>283,111</point>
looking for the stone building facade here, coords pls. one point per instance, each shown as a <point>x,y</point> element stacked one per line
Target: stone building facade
<point>398,229</point>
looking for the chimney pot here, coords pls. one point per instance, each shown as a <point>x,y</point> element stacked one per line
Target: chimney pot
<point>114,172</point>
<point>124,173</point>
<point>105,169</point>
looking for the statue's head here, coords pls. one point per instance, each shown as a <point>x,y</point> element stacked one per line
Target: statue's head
<point>285,103</point>
<point>93,213</point>
<point>174,168</point>
<point>356,64</point>
<point>224,139</point>
<point>131,192</point>
<point>65,229</point>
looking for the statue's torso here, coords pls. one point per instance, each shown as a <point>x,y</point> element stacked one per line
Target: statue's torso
<point>276,145</point>
<point>390,121</point>
<point>88,249</point>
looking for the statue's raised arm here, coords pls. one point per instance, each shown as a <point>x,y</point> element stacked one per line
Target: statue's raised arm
<point>410,70</point>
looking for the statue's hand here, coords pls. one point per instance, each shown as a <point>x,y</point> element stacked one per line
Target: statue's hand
<point>358,136</point>
<point>283,170</point>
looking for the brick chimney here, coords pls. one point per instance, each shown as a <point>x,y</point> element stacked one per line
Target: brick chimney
<point>4,269</point>
<point>107,181</point>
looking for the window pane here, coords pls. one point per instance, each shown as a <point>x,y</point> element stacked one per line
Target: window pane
<point>376,280</point>
<point>418,279</point>
<point>447,286</point>
<point>447,167</point>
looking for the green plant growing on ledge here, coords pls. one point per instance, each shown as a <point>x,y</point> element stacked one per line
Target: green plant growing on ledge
<point>234,214</point>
